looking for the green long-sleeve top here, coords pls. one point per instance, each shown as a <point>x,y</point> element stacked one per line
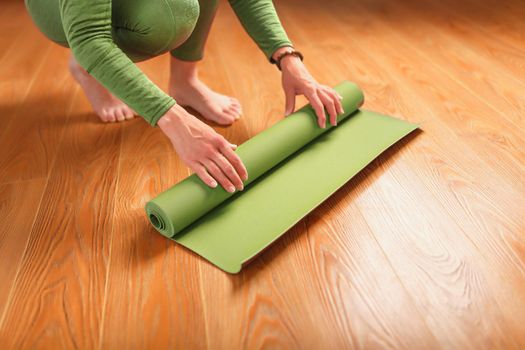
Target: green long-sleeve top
<point>87,25</point>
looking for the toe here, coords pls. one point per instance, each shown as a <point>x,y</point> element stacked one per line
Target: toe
<point>235,101</point>
<point>128,113</point>
<point>110,116</point>
<point>225,118</point>
<point>119,114</point>
<point>232,115</point>
<point>235,108</point>
<point>234,111</point>
<point>238,107</point>
<point>104,115</point>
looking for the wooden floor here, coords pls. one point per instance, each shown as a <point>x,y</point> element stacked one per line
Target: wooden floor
<point>424,249</point>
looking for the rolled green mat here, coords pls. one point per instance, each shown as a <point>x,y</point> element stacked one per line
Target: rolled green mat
<point>293,166</point>
<point>182,204</point>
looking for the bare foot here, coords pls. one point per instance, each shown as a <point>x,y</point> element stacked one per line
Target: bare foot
<point>211,105</point>
<point>108,107</point>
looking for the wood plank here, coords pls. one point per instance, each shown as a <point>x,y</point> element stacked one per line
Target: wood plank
<point>38,125</point>
<point>501,25</point>
<point>153,286</point>
<point>380,92</point>
<point>18,72</point>
<point>11,15</point>
<point>508,57</point>
<point>461,116</point>
<point>503,18</point>
<point>462,64</point>
<point>58,294</point>
<point>439,267</point>
<point>19,203</point>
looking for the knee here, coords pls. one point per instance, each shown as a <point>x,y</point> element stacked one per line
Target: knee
<point>184,16</point>
<point>156,27</point>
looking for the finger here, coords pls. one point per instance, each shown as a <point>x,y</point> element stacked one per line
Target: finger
<point>317,105</point>
<point>331,91</point>
<point>228,169</point>
<point>201,172</point>
<point>338,103</point>
<point>237,163</point>
<point>290,101</point>
<point>328,102</point>
<point>218,175</point>
<point>337,99</point>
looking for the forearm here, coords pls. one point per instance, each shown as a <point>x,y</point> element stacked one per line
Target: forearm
<point>261,22</point>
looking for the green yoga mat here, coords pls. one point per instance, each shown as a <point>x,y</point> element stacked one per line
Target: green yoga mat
<point>292,166</point>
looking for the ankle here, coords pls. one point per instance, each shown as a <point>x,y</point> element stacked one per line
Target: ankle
<point>183,72</point>
<point>76,69</point>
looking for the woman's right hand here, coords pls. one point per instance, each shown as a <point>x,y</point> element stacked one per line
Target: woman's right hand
<point>205,151</point>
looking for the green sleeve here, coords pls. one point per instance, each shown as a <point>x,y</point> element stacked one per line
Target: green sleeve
<point>87,25</point>
<point>261,22</point>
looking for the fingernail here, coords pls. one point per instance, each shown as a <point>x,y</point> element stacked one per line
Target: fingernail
<point>242,188</point>
<point>233,145</point>
<point>231,189</point>
<point>214,184</point>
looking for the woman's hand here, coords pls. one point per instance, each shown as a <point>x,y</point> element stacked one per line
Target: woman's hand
<point>296,80</point>
<point>206,152</point>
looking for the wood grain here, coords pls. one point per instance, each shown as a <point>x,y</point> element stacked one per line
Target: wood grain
<point>135,302</point>
<point>11,16</point>
<point>18,67</point>
<point>36,127</point>
<point>424,249</point>
<point>60,284</point>
<point>19,203</point>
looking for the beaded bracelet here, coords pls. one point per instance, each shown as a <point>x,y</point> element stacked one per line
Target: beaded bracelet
<point>287,53</point>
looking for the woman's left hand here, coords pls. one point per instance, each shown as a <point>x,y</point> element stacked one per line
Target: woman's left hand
<point>296,80</point>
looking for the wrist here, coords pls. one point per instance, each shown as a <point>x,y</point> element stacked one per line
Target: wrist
<point>286,54</point>
<point>277,53</point>
<point>290,61</point>
<point>172,117</point>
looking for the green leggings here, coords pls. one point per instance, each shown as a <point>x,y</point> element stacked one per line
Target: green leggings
<point>142,29</point>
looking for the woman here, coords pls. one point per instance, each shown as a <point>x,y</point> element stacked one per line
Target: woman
<point>107,36</point>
